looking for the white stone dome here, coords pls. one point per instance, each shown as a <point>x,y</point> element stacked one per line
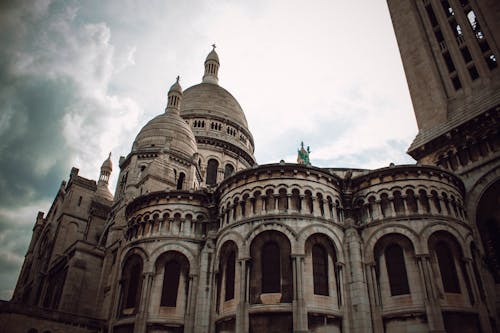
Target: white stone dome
<point>168,132</point>
<point>206,99</point>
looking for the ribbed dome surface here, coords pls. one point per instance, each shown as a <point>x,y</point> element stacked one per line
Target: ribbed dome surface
<point>104,192</point>
<point>168,131</point>
<point>207,99</point>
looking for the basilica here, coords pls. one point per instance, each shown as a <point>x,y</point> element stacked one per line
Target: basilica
<point>199,238</point>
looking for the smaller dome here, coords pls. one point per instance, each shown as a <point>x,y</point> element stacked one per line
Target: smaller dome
<point>167,131</point>
<point>107,164</point>
<point>212,55</point>
<point>176,86</point>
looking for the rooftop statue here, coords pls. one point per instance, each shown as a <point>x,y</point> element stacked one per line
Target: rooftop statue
<point>303,155</point>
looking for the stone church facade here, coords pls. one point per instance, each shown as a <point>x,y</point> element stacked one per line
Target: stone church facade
<point>199,238</point>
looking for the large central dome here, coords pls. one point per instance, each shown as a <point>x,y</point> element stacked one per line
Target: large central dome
<point>213,100</point>
<point>217,121</point>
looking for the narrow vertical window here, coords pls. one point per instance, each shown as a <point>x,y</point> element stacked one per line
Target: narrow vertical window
<point>180,181</point>
<point>447,268</point>
<point>211,175</point>
<point>455,80</point>
<point>466,54</point>
<point>171,278</point>
<point>320,270</point>
<point>271,268</point>
<point>449,62</point>
<point>132,282</point>
<point>431,15</point>
<point>228,170</point>
<point>396,270</point>
<point>229,282</point>
<point>473,73</point>
<point>491,61</point>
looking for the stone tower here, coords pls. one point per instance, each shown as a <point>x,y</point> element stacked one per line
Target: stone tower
<point>450,52</point>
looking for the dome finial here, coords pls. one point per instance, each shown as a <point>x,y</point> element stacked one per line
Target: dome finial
<point>174,97</point>
<point>211,67</point>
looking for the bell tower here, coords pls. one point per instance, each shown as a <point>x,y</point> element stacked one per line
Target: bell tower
<point>450,52</point>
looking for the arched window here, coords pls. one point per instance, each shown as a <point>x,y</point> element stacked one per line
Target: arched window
<point>170,283</point>
<point>271,268</point>
<point>180,181</point>
<point>229,283</point>
<point>132,282</point>
<point>228,170</point>
<point>320,270</point>
<point>211,175</point>
<point>447,268</point>
<point>396,270</point>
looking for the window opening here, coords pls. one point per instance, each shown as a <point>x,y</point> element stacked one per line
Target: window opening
<point>447,8</point>
<point>456,82</point>
<point>491,61</point>
<point>396,270</point>
<point>229,283</point>
<point>271,268</point>
<point>320,270</point>
<point>132,281</point>
<point>473,73</point>
<point>431,15</point>
<point>466,54</point>
<point>449,62</point>
<point>439,35</point>
<point>447,268</point>
<point>228,170</point>
<point>457,29</point>
<point>211,174</point>
<point>171,279</point>
<point>180,181</point>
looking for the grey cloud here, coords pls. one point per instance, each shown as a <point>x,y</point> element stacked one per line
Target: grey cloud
<point>54,68</point>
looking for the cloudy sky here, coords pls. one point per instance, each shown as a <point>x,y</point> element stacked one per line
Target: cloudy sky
<point>79,79</point>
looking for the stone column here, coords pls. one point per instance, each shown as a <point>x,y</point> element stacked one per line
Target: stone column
<point>374,293</point>
<point>359,309</point>
<point>432,205</point>
<point>242,310</point>
<point>142,314</point>
<point>299,306</point>
<point>334,213</point>
<point>483,311</point>
<point>316,209</point>
<point>248,207</point>
<point>431,295</point>
<point>405,207</point>
<point>204,289</point>
<point>377,210</point>
<point>191,303</point>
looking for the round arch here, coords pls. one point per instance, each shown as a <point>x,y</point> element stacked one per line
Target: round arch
<point>134,250</point>
<point>268,226</point>
<point>430,229</point>
<point>176,247</point>
<point>390,229</point>
<point>317,228</point>
<point>229,236</point>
